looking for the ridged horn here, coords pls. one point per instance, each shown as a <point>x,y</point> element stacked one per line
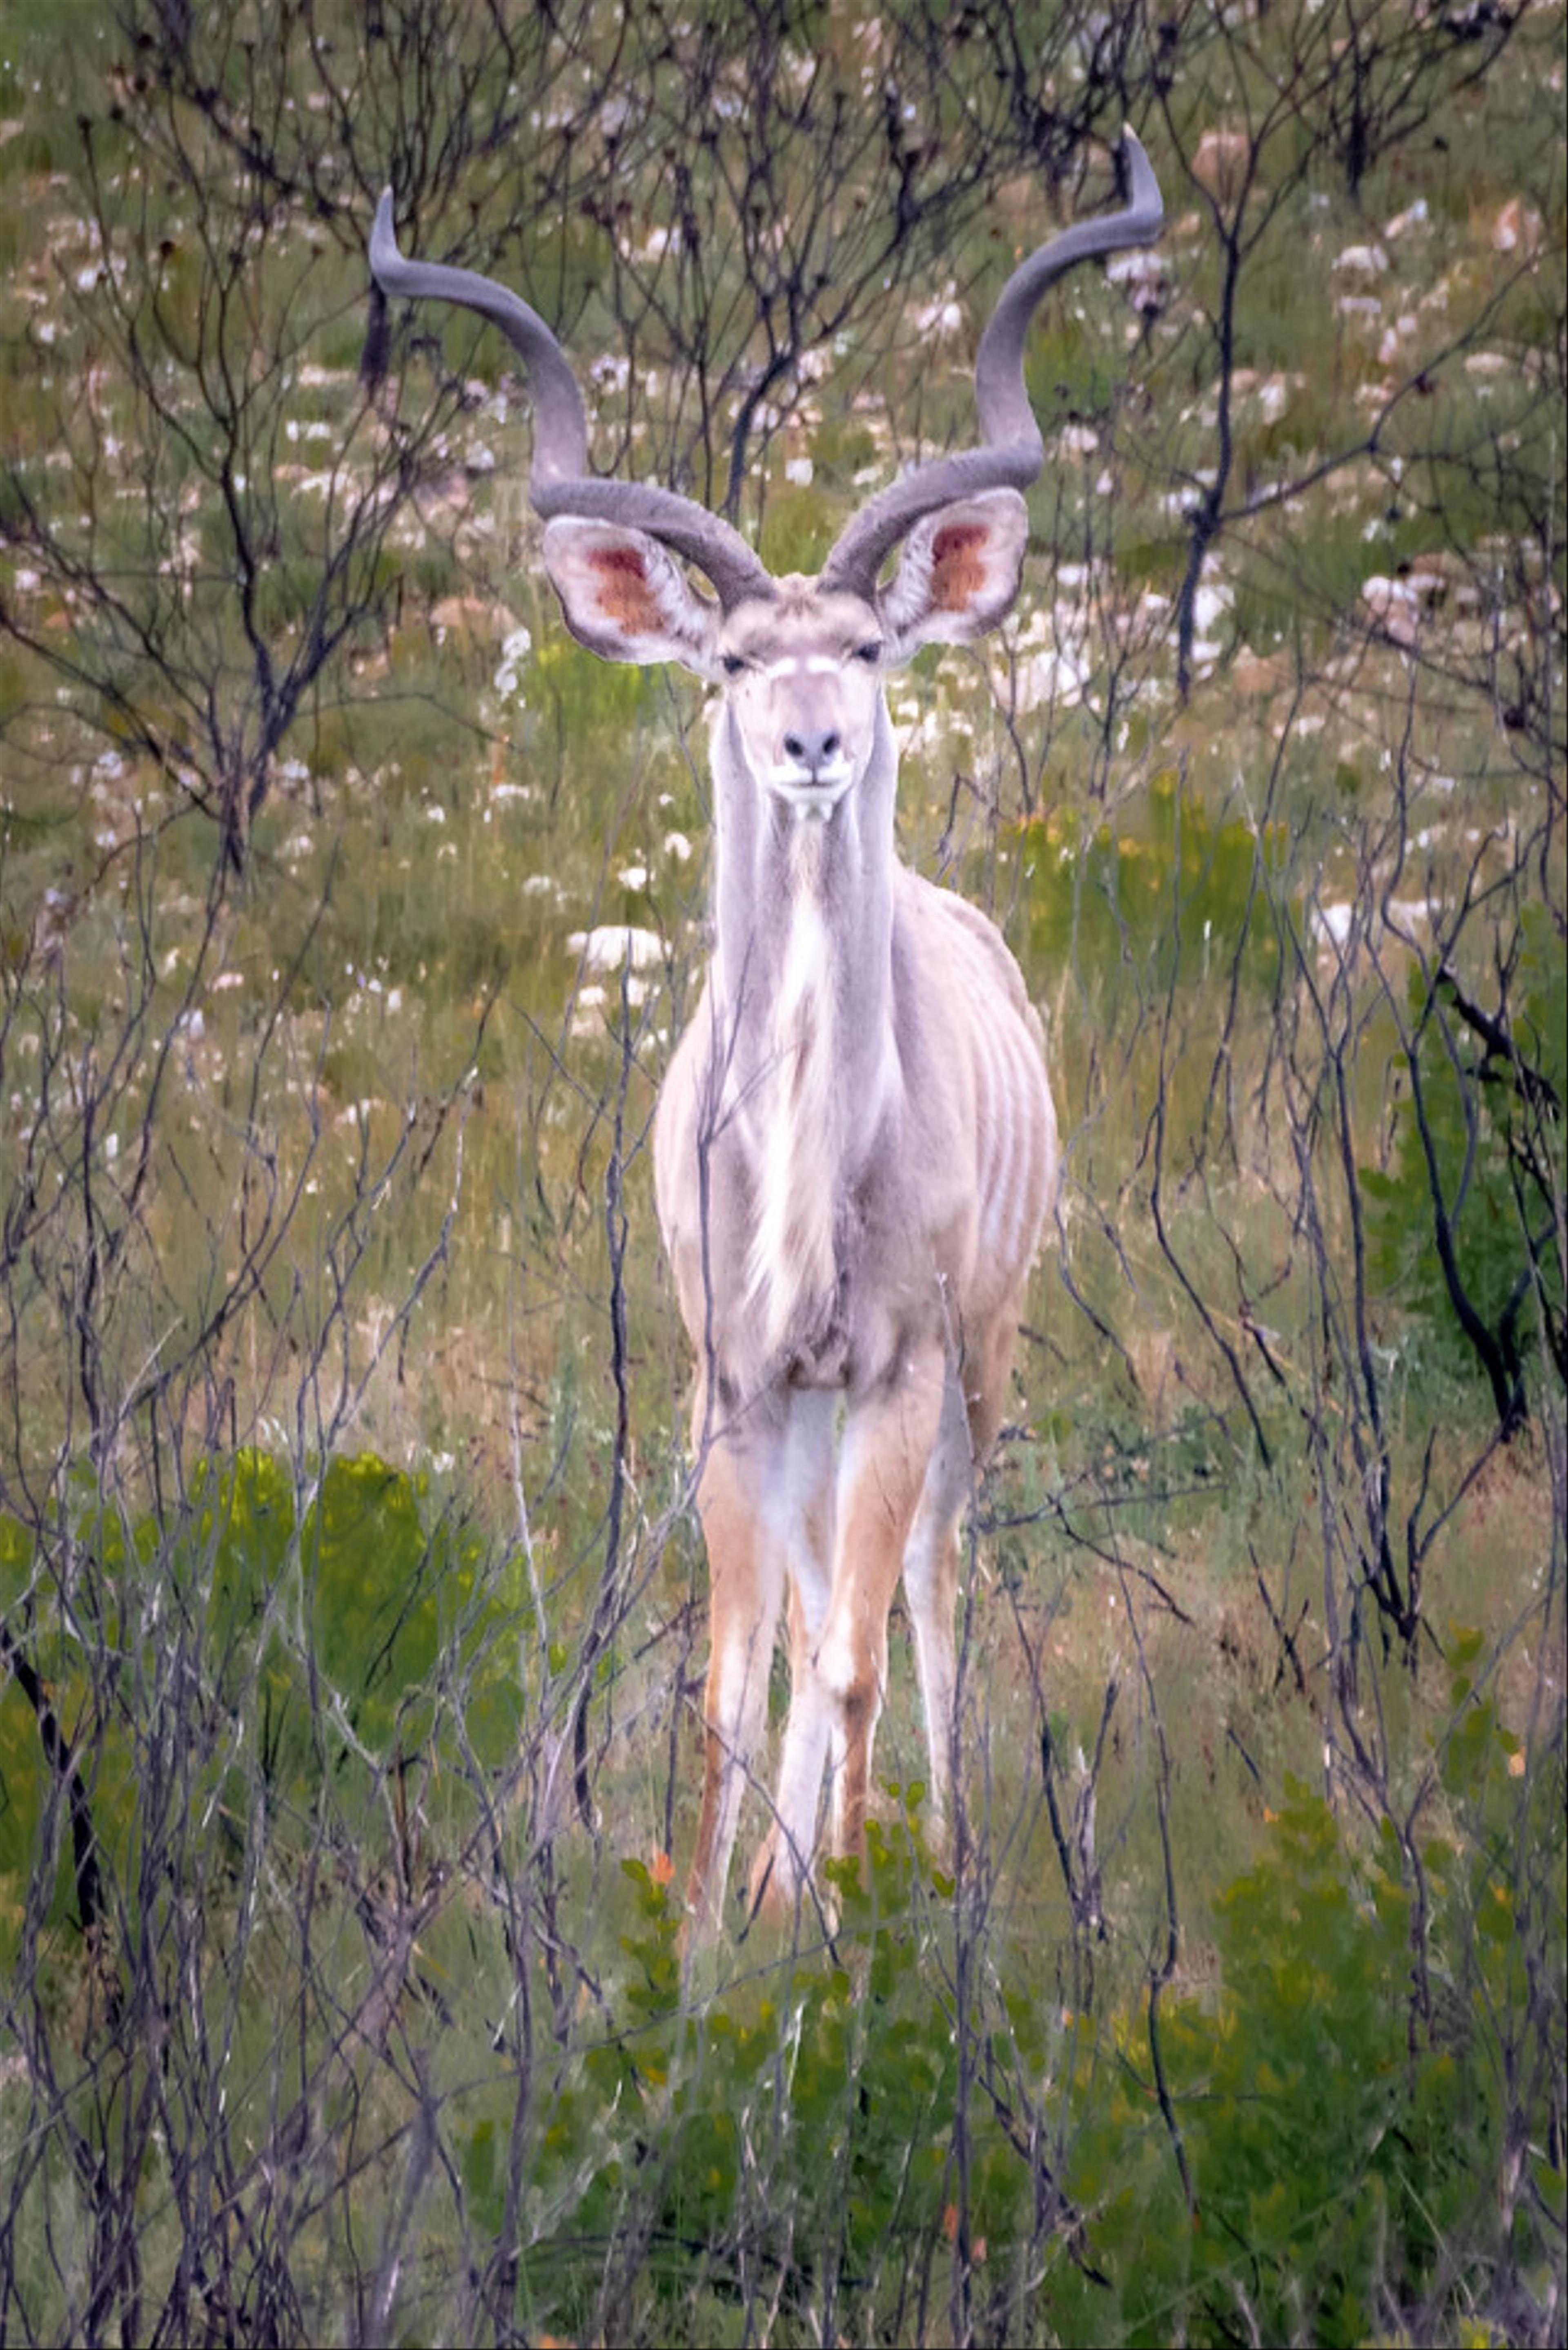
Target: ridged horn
<point>559,481</point>
<point>1011,452</point>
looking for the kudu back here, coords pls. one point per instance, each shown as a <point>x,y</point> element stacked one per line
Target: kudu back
<point>855,1146</point>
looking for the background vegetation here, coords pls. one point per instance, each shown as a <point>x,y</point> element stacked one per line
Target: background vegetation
<point>352,1603</point>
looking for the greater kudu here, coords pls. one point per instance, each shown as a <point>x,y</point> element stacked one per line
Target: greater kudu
<point>855,1148</point>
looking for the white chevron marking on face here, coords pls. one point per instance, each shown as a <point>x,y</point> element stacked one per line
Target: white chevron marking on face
<point>811,797</point>
<point>803,665</point>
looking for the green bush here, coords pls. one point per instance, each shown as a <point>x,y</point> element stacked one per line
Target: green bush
<point>329,1648</point>
<point>1343,2100</point>
<point>1476,1153</point>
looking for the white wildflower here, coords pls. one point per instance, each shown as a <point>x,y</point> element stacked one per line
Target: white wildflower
<point>515,650</point>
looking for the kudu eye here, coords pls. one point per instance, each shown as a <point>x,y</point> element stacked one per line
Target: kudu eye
<point>870,653</point>
<point>733,664</point>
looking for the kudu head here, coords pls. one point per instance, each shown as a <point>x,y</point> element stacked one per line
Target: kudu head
<point>799,660</point>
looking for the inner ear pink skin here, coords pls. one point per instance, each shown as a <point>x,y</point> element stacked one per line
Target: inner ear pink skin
<point>625,597</point>
<point>957,569</point>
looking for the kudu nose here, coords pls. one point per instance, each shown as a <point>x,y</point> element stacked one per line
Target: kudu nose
<point>813,751</point>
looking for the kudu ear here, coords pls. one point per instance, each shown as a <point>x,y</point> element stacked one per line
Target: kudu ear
<point>626,597</point>
<point>958,573</point>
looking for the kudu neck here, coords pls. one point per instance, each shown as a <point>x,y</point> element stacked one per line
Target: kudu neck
<point>769,858</point>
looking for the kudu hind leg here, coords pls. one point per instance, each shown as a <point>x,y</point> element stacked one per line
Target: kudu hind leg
<point>783,1858</point>
<point>972,1403</point>
<point>930,1589</point>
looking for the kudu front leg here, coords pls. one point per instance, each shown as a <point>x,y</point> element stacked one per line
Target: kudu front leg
<point>800,1513</point>
<point>887,1447</point>
<point>745,1572</point>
